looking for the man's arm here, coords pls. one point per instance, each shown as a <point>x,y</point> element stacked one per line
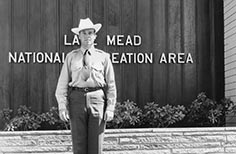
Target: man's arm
<point>62,87</point>
<point>111,92</point>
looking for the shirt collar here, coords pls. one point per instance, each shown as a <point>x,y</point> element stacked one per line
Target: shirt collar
<point>92,49</point>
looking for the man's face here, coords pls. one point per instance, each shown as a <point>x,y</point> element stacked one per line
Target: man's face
<point>87,37</point>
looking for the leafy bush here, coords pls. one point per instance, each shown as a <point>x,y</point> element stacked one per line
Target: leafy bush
<point>5,114</point>
<point>156,116</point>
<point>127,115</point>
<point>25,119</point>
<point>206,112</point>
<point>51,120</point>
<point>203,111</point>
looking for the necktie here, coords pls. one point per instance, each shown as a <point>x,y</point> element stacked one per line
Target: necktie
<point>86,58</point>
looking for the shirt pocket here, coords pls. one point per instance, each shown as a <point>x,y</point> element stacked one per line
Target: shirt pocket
<point>98,67</point>
<point>76,66</point>
<point>97,74</point>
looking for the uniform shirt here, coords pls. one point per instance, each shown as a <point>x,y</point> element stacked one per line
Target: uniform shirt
<point>100,73</point>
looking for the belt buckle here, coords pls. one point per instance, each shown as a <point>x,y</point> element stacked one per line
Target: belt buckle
<point>86,89</point>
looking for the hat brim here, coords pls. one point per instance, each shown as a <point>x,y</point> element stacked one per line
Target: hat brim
<point>96,27</point>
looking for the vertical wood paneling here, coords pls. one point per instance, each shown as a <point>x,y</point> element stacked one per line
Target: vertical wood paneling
<point>130,83</point>
<point>217,46</point>
<point>144,70</point>
<point>203,40</point>
<point>20,37</point>
<point>80,10</point>
<point>65,24</point>
<point>114,28</point>
<point>50,41</point>
<point>189,44</point>
<point>98,16</point>
<point>5,46</point>
<point>36,72</point>
<point>174,46</point>
<point>159,47</point>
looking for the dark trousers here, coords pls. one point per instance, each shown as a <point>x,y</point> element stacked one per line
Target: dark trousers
<point>86,112</point>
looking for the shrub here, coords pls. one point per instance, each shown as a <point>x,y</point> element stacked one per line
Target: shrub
<point>25,119</point>
<point>51,120</point>
<point>5,114</point>
<point>206,112</point>
<point>127,115</point>
<point>156,116</point>
<point>203,111</point>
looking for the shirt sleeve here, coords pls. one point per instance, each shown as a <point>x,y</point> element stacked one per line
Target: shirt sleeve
<point>62,85</point>
<point>111,92</point>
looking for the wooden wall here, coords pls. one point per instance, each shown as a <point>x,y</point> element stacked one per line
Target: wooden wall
<point>230,48</point>
<point>179,26</point>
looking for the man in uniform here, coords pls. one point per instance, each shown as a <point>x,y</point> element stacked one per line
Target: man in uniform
<point>86,91</point>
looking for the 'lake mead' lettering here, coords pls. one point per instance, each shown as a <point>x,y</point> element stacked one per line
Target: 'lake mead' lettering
<point>75,40</point>
<point>121,40</point>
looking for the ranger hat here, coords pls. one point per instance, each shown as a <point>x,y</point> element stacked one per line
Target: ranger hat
<point>86,24</point>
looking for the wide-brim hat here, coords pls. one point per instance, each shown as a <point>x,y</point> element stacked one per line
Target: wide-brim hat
<point>86,24</point>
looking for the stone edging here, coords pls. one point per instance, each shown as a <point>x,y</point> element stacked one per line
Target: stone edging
<point>127,141</point>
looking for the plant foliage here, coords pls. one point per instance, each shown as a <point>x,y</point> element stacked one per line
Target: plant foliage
<point>156,116</point>
<point>127,115</point>
<point>25,119</point>
<point>202,112</point>
<point>206,112</point>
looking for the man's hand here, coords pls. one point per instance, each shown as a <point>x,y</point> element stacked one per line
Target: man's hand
<point>109,115</point>
<point>64,114</point>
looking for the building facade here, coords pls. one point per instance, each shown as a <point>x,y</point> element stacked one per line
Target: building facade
<point>167,27</point>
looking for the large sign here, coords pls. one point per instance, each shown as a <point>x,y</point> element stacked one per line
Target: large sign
<point>116,57</point>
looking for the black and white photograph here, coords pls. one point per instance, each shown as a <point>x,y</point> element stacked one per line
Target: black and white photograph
<point>118,76</point>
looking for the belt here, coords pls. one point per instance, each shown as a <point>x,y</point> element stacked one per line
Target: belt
<point>86,89</point>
